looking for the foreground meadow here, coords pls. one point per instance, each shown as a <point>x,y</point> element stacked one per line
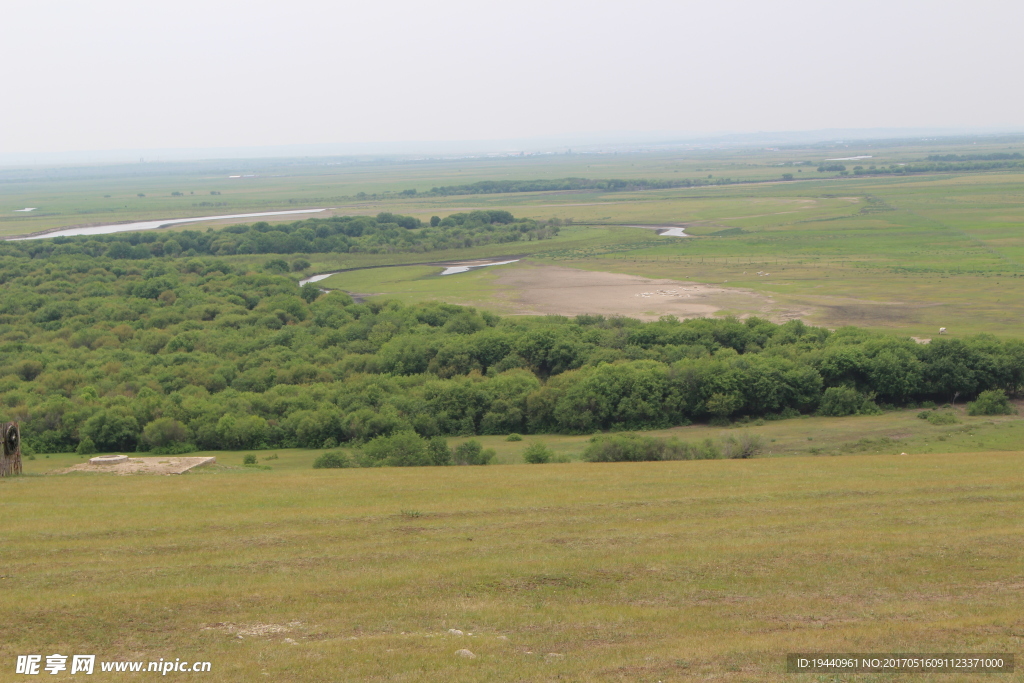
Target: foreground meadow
<point>619,572</point>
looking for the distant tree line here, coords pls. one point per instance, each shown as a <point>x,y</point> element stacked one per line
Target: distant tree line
<point>380,234</point>
<point>997,156</point>
<point>938,167</point>
<point>608,185</point>
<point>102,354</point>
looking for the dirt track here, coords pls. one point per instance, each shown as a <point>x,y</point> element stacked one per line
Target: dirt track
<point>555,290</point>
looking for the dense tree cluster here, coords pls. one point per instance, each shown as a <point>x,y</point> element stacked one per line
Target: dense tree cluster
<point>383,234</point>
<point>103,354</point>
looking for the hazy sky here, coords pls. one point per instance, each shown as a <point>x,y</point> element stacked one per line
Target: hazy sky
<point>125,74</point>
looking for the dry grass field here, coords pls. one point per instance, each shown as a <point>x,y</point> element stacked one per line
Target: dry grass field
<point>577,572</point>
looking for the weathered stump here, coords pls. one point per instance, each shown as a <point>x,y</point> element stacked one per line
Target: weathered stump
<point>10,449</point>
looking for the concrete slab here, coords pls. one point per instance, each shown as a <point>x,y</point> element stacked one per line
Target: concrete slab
<point>170,464</point>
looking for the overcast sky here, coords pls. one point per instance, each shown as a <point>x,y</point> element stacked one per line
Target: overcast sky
<point>131,74</point>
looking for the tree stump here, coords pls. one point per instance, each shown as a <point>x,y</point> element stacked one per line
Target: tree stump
<point>10,449</point>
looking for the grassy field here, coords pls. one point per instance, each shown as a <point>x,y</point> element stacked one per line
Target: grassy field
<point>890,433</point>
<point>875,534</point>
<point>619,572</point>
<point>910,255</point>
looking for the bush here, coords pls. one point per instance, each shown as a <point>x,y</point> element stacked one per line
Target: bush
<point>249,459</point>
<point>404,449</point>
<point>472,453</point>
<point>86,447</point>
<point>331,460</point>
<point>842,401</point>
<point>636,448</point>
<point>746,446</point>
<point>537,454</point>
<point>514,437</point>
<point>992,402</point>
<point>935,417</point>
<point>438,451</point>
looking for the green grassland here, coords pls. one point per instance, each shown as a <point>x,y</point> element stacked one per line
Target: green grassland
<point>620,572</point>
<point>664,571</point>
<point>906,254</point>
<point>891,433</point>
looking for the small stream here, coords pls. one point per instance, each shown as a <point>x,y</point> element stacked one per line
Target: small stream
<point>448,269</point>
<point>676,231</point>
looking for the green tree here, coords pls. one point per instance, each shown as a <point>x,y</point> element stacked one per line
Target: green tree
<point>164,432</point>
<point>86,447</point>
<point>113,429</point>
<point>310,292</point>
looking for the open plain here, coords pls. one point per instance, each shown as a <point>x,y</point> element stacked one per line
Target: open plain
<point>584,572</point>
<point>878,532</point>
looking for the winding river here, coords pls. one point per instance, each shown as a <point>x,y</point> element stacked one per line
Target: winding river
<point>152,225</point>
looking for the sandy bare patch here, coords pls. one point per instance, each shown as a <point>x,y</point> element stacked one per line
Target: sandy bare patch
<point>164,465</point>
<point>253,630</point>
<point>555,290</point>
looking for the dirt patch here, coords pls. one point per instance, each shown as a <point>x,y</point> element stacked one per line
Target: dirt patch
<point>253,630</point>
<point>165,465</point>
<point>555,290</point>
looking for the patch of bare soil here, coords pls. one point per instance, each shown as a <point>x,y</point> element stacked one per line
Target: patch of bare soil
<point>164,465</point>
<point>253,630</point>
<point>555,290</point>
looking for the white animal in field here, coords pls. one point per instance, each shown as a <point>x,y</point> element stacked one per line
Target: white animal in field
<point>942,330</point>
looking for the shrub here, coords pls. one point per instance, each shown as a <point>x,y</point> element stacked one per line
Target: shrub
<point>842,401</point>
<point>404,449</point>
<point>514,437</point>
<point>331,460</point>
<point>746,446</point>
<point>86,447</point>
<point>636,448</point>
<point>438,451</point>
<point>472,453</point>
<point>249,459</point>
<point>993,402</point>
<point>537,454</point>
<point>28,370</point>
<point>935,417</point>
